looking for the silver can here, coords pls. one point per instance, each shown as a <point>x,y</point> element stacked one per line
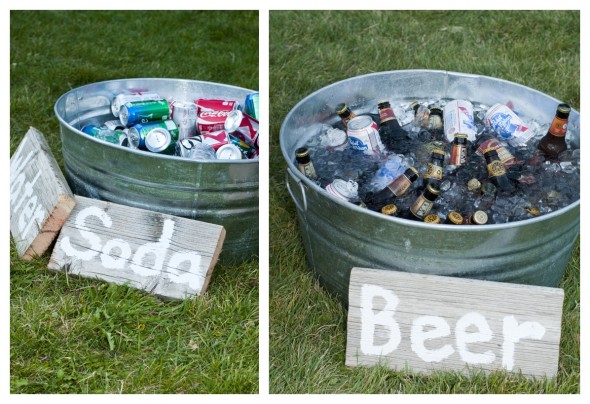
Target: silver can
<point>341,189</point>
<point>363,135</point>
<point>229,152</point>
<point>184,114</point>
<point>121,99</point>
<point>458,120</point>
<point>233,121</point>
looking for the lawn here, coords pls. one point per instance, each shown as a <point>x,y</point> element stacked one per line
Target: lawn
<point>71,335</point>
<point>310,50</point>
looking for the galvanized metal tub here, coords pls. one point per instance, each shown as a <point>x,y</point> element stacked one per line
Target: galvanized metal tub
<point>338,235</point>
<point>224,192</point>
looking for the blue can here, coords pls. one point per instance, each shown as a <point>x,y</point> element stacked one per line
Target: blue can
<point>251,105</point>
<point>132,113</point>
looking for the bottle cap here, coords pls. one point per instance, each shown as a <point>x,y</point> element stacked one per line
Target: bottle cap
<point>433,189</point>
<point>383,101</point>
<point>455,218</point>
<point>340,108</point>
<point>439,152</point>
<point>432,218</point>
<point>389,210</point>
<point>302,152</point>
<point>564,108</point>
<point>479,217</point>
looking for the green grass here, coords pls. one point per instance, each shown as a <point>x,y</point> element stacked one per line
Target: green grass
<point>71,335</point>
<point>309,50</point>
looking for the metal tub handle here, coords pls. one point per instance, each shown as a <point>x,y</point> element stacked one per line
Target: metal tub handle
<point>301,187</point>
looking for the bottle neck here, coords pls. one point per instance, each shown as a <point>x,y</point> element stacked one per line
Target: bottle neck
<point>558,127</point>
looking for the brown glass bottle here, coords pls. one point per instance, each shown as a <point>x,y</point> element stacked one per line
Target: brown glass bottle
<point>553,142</point>
<point>304,163</point>
<point>497,171</point>
<point>434,170</point>
<point>392,135</point>
<point>423,204</point>
<point>397,187</point>
<point>344,112</point>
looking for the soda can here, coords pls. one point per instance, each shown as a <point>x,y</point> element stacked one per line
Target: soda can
<point>184,114</point>
<point>229,152</point>
<point>138,133</point>
<point>162,141</point>
<point>114,124</point>
<point>194,148</point>
<point>111,136</point>
<point>214,139</point>
<point>363,135</point>
<point>345,190</point>
<point>247,150</point>
<point>122,99</point>
<point>213,104</point>
<point>135,112</point>
<point>233,121</point>
<point>458,120</point>
<point>251,105</point>
<point>508,125</point>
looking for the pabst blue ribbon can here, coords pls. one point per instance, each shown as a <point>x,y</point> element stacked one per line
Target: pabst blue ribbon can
<point>363,135</point>
<point>458,119</point>
<point>508,125</point>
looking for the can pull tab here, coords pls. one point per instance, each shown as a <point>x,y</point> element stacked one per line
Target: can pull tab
<point>288,180</point>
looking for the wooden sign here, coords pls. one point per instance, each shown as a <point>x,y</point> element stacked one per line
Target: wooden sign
<point>169,256</point>
<point>426,323</point>
<point>40,199</point>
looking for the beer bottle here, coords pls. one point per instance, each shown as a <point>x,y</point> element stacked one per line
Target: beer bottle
<point>454,218</point>
<point>459,150</point>
<point>344,112</point>
<point>396,188</point>
<point>487,197</point>
<point>421,114</point>
<point>423,204</point>
<point>497,171</point>
<point>434,170</point>
<point>553,142</point>
<point>391,133</point>
<point>435,120</point>
<point>304,163</point>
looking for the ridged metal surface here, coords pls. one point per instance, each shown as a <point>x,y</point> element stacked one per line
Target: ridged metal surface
<point>221,192</point>
<point>338,236</point>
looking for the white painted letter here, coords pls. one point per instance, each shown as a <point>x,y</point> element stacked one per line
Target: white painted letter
<point>370,319</point>
<point>484,334</point>
<point>513,332</point>
<point>157,249</point>
<point>113,262</point>
<point>418,336</point>
<point>94,241</point>
<point>195,275</point>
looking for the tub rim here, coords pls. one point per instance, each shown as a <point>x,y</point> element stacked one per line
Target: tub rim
<point>300,178</point>
<point>142,153</point>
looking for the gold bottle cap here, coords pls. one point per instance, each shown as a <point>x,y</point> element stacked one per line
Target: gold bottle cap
<point>301,152</point>
<point>340,108</point>
<point>433,189</point>
<point>439,151</point>
<point>432,218</point>
<point>455,217</point>
<point>473,184</point>
<point>533,211</point>
<point>564,108</point>
<point>461,136</point>
<point>389,210</point>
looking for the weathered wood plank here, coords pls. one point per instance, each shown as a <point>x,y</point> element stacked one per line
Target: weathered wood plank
<point>40,198</point>
<point>169,256</point>
<point>428,323</point>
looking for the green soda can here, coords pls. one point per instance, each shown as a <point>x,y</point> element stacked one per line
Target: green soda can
<point>132,113</point>
<point>157,137</point>
<point>104,134</point>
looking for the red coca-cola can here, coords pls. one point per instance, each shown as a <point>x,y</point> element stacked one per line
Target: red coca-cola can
<point>212,113</point>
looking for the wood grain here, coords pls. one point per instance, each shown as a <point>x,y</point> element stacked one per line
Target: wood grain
<point>169,256</point>
<point>427,302</point>
<point>40,198</point>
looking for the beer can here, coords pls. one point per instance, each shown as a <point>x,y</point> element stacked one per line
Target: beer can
<point>345,190</point>
<point>184,114</point>
<point>229,152</point>
<point>137,134</point>
<point>123,98</point>
<point>508,125</point>
<point>458,119</point>
<point>251,105</point>
<point>135,112</point>
<point>364,135</point>
<point>193,148</point>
